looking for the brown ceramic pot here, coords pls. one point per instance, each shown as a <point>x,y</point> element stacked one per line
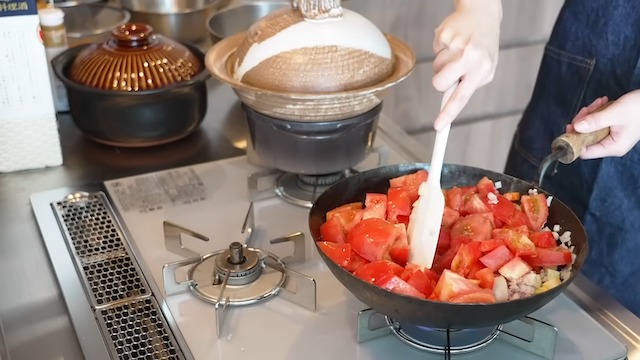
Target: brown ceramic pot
<point>168,103</point>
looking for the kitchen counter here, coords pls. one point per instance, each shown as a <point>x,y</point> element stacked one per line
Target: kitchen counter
<point>33,315</point>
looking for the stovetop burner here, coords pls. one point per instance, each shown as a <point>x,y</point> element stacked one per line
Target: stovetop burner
<point>302,189</point>
<point>442,341</point>
<point>238,275</point>
<point>242,265</point>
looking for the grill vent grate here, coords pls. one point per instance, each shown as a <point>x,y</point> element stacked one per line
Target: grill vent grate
<point>127,312</point>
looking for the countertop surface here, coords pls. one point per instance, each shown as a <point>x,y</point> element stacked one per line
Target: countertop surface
<point>33,315</point>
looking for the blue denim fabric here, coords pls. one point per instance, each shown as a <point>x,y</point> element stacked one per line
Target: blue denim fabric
<point>594,50</point>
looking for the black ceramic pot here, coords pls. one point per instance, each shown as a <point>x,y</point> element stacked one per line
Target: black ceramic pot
<point>135,118</point>
<point>311,148</point>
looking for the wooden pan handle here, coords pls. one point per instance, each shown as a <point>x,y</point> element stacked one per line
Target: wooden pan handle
<point>571,144</point>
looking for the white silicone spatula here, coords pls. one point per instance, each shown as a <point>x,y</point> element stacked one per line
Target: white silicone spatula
<point>426,217</point>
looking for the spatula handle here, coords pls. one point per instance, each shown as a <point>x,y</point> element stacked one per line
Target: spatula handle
<point>571,144</point>
<point>440,144</point>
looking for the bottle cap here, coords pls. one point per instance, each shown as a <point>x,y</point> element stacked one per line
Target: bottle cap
<point>51,16</point>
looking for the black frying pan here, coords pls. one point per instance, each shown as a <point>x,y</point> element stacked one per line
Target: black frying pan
<point>407,309</point>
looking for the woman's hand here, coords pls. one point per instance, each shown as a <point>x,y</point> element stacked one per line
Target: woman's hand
<point>467,45</point>
<point>620,117</point>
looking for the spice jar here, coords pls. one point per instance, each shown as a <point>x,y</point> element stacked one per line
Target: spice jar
<point>54,37</point>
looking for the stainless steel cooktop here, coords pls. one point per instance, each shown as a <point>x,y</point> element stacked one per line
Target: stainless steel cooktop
<point>108,245</point>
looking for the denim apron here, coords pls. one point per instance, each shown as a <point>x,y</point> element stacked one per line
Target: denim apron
<point>594,50</point>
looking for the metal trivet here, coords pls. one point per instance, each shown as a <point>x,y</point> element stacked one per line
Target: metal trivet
<point>239,275</point>
<point>300,189</point>
<point>529,334</point>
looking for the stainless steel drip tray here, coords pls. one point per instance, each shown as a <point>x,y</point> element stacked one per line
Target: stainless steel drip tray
<point>112,305</point>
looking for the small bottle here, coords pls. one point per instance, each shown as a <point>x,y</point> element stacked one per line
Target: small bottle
<point>54,36</point>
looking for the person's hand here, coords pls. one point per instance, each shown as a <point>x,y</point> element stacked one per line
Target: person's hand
<point>467,45</point>
<point>619,116</point>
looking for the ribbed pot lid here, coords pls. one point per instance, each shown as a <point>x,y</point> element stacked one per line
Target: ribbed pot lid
<point>134,59</point>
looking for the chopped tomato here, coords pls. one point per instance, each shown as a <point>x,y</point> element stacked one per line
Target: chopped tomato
<point>473,204</point>
<point>555,256</point>
<point>543,239</point>
<point>444,241</point>
<point>443,260</point>
<point>514,269</point>
<point>503,210</point>
<point>475,297</point>
<point>411,268</point>
<point>512,196</point>
<point>466,257</point>
<point>484,236</point>
<point>332,231</point>
<point>349,206</point>
<point>495,259</point>
<point>372,238</point>
<point>453,198</point>
<point>400,254</point>
<point>410,182</point>
<point>518,219</point>
<point>347,217</point>
<point>422,282</point>
<point>517,242</point>
<point>536,209</point>
<point>398,203</point>
<point>403,219</point>
<point>474,227</point>
<point>395,284</point>
<point>339,253</point>
<point>356,261</point>
<point>452,284</point>
<point>370,272</point>
<point>488,245</point>
<point>449,217</point>
<point>486,278</point>
<point>486,186</point>
<point>375,205</point>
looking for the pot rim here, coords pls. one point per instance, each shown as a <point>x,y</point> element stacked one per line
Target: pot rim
<point>129,5</point>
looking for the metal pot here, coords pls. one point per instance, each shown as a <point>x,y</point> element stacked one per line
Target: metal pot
<point>237,19</point>
<point>87,23</point>
<point>135,118</point>
<point>182,20</point>
<point>311,148</point>
<point>441,315</point>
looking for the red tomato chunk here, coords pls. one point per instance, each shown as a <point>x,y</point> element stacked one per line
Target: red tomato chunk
<point>485,235</point>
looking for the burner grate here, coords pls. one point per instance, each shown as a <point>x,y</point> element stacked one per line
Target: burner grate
<point>129,316</point>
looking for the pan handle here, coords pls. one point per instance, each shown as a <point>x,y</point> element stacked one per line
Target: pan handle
<point>570,145</point>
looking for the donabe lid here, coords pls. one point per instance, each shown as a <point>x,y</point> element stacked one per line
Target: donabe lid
<point>134,59</point>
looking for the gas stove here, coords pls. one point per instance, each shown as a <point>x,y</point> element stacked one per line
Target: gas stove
<point>215,261</point>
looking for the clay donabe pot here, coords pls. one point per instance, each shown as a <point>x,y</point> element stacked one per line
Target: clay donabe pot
<point>311,148</point>
<point>108,106</point>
